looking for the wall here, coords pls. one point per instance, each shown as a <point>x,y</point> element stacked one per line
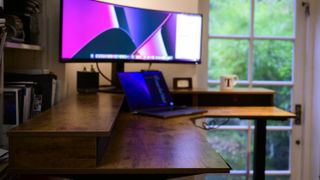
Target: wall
<point>50,31</point>
<point>316,95</point>
<point>197,72</point>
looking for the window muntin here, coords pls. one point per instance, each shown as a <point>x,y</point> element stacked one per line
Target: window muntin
<point>267,28</point>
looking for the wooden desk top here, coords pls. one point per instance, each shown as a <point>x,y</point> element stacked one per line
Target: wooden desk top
<point>147,145</point>
<point>218,91</point>
<point>80,115</point>
<point>137,144</point>
<point>254,112</point>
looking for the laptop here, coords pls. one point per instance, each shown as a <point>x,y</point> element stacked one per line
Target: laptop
<point>147,93</point>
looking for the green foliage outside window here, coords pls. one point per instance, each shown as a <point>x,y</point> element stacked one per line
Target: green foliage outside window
<point>229,17</point>
<point>231,145</point>
<point>272,61</point>
<point>273,17</point>
<point>277,150</point>
<point>228,57</point>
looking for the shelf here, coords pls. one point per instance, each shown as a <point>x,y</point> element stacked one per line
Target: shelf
<point>23,46</point>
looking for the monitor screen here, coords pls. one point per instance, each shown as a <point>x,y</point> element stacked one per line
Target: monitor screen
<point>96,31</point>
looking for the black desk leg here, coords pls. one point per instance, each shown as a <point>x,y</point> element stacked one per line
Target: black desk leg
<point>259,149</point>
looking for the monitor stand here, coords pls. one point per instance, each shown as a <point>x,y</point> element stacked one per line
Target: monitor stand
<point>115,86</point>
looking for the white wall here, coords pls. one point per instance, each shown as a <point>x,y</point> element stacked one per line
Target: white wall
<point>50,35</point>
<point>170,5</point>
<point>316,99</point>
<point>197,72</point>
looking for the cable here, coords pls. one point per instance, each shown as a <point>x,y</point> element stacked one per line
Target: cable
<point>104,76</point>
<point>210,124</point>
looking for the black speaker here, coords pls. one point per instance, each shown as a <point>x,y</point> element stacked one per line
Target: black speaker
<point>87,82</point>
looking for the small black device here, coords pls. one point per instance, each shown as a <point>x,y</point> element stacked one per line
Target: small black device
<point>87,82</point>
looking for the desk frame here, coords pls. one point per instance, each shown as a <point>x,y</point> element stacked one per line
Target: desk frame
<point>260,115</point>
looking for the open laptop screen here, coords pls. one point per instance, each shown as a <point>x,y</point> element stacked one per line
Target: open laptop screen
<point>145,90</point>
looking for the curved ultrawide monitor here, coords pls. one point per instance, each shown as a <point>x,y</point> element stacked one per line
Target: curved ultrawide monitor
<point>95,31</point>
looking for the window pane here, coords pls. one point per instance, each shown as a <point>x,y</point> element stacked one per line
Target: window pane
<point>274,17</point>
<point>231,145</point>
<point>273,60</point>
<point>277,150</point>
<point>224,177</point>
<point>227,57</point>
<point>216,122</point>
<point>217,86</point>
<point>229,17</point>
<point>277,177</point>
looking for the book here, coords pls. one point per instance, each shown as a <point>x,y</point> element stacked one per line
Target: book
<point>28,87</point>
<point>4,157</point>
<point>54,92</point>
<point>11,112</point>
<point>45,86</point>
<point>3,152</point>
<point>11,106</point>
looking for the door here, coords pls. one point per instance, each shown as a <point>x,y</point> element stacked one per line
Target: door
<point>260,41</point>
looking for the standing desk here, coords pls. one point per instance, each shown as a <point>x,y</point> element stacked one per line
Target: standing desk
<point>245,103</point>
<point>90,135</point>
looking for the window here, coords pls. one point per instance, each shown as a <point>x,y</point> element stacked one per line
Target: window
<point>253,39</point>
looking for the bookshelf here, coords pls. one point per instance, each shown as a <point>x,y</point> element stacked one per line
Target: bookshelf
<point>33,47</point>
<point>21,54</point>
<point>3,35</point>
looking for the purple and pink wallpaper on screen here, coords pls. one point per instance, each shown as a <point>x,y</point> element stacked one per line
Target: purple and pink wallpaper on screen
<point>93,30</point>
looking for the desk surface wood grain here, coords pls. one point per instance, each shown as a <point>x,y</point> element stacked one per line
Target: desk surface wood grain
<point>254,112</point>
<point>141,144</point>
<point>137,144</point>
<point>81,115</point>
<point>146,145</point>
<point>218,91</point>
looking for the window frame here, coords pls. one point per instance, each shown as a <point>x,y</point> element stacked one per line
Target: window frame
<point>251,38</point>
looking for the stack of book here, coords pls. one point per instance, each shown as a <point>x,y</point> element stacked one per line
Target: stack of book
<point>25,96</point>
<point>4,156</point>
<point>2,22</point>
<point>4,162</point>
<point>18,100</point>
<point>2,19</point>
<point>3,34</point>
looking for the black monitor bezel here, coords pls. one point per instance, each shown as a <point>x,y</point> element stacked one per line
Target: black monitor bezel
<point>174,61</point>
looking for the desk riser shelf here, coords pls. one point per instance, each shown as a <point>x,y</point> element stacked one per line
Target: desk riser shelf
<point>72,134</point>
<point>237,97</point>
<point>55,152</point>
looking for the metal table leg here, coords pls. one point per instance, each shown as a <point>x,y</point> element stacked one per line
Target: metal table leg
<point>259,149</point>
